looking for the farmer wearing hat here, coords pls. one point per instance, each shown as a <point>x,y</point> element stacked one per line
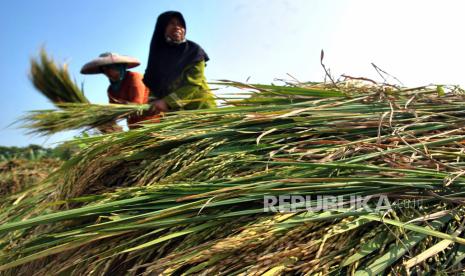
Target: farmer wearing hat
<point>175,68</point>
<point>126,87</point>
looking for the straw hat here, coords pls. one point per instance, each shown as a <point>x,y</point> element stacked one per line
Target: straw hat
<point>94,66</point>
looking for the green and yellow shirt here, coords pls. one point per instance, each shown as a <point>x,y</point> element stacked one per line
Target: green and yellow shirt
<point>190,91</point>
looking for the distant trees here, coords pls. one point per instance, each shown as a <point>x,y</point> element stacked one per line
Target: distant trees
<point>34,152</point>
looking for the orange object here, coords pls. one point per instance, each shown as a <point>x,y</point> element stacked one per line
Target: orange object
<point>133,91</point>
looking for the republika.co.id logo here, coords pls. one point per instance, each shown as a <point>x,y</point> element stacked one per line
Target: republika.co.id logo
<point>316,203</point>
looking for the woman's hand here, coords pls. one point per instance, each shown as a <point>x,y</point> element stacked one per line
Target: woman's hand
<point>158,106</point>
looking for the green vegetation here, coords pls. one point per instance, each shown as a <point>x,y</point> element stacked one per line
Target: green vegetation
<point>36,152</point>
<point>186,195</point>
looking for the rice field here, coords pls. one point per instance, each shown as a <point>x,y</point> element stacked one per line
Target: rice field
<point>186,196</point>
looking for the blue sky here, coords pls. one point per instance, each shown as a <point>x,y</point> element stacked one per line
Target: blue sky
<point>420,42</point>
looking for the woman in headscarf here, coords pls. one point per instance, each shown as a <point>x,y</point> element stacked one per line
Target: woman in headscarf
<point>126,87</point>
<point>175,69</point>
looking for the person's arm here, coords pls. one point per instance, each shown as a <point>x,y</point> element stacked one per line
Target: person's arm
<point>190,89</point>
<point>110,127</point>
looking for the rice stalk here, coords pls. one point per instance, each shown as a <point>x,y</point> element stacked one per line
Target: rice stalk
<point>186,195</point>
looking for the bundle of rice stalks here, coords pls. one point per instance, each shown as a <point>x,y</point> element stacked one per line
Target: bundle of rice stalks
<point>77,116</point>
<point>77,113</point>
<point>187,195</point>
<point>53,81</point>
